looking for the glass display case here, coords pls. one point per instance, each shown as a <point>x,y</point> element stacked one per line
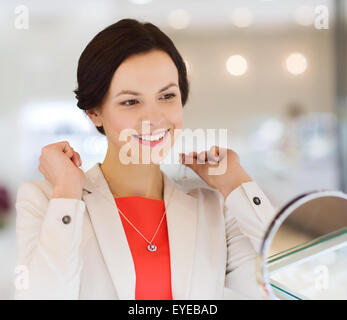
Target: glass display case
<point>315,269</point>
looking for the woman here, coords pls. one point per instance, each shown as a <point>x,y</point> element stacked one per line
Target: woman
<point>124,230</point>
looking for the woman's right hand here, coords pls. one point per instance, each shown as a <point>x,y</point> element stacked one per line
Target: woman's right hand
<point>59,163</point>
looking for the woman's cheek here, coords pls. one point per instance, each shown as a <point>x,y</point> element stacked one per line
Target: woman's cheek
<point>177,122</point>
<point>177,115</point>
<point>120,133</point>
<point>178,118</point>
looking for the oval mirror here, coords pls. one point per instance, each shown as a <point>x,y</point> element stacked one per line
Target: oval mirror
<point>304,250</point>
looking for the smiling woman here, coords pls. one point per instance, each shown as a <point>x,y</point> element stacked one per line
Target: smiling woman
<point>123,82</point>
<point>126,230</point>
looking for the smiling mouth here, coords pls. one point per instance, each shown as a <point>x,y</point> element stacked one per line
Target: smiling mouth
<point>149,142</point>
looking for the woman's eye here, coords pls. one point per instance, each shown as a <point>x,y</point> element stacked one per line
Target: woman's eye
<point>133,101</point>
<point>125,102</point>
<point>168,96</point>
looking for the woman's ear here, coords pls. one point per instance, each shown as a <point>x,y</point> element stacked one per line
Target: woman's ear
<point>95,115</point>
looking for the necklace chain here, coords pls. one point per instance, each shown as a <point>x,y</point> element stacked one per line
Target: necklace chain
<point>150,242</point>
<point>150,247</point>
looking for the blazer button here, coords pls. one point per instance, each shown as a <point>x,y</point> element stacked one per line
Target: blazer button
<point>66,219</point>
<point>256,200</point>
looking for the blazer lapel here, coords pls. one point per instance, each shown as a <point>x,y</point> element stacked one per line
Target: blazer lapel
<point>109,232</point>
<point>181,216</point>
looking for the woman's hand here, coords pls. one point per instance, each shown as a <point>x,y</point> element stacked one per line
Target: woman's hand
<point>226,180</point>
<point>59,164</point>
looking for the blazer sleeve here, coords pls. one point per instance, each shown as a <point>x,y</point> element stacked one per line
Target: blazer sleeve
<point>247,213</point>
<point>47,248</point>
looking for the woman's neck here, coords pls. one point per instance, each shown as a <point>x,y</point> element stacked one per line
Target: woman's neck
<point>143,180</point>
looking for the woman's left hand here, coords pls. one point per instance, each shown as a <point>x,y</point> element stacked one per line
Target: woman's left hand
<point>233,174</point>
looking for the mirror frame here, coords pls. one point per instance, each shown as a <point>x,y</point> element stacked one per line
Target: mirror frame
<point>262,275</point>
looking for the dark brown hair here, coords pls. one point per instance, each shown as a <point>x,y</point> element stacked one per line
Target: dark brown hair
<point>106,51</point>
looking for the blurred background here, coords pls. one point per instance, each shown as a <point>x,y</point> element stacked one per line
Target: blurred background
<point>273,73</point>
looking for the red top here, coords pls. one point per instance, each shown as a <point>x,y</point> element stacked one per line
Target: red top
<point>153,274</point>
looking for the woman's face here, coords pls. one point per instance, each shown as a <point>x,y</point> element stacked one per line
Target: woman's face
<point>143,88</point>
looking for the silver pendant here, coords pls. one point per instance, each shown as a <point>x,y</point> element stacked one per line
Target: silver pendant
<point>152,247</point>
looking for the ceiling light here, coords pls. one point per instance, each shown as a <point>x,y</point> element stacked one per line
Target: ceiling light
<point>236,65</point>
<point>296,63</point>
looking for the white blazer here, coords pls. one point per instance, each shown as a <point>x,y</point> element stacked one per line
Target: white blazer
<point>213,243</point>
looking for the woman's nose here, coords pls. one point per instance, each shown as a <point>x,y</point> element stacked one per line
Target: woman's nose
<point>154,116</point>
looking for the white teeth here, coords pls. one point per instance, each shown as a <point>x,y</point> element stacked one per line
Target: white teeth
<point>154,138</point>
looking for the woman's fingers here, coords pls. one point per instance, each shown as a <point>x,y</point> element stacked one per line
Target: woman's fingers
<point>79,159</point>
<point>72,154</point>
<point>69,153</point>
<point>76,159</point>
<point>202,156</point>
<point>68,150</point>
<point>218,152</point>
<point>189,159</point>
<point>212,155</point>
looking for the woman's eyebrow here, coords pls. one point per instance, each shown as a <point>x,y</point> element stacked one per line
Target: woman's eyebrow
<point>137,93</point>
